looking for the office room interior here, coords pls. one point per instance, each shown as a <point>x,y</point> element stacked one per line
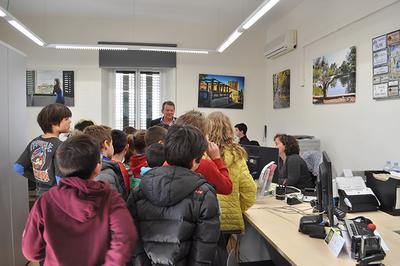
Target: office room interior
<point>360,135</point>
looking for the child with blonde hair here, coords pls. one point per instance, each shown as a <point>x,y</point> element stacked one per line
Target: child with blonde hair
<point>243,195</point>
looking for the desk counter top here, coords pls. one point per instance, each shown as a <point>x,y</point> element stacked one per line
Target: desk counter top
<point>278,224</point>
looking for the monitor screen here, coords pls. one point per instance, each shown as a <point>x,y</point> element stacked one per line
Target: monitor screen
<point>258,157</point>
<point>325,196</point>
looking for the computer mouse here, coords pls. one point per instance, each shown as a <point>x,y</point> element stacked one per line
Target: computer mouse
<point>293,199</point>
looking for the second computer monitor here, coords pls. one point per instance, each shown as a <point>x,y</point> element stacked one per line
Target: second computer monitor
<point>258,157</point>
<point>324,186</point>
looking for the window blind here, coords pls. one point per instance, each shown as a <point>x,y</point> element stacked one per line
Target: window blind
<point>125,99</point>
<point>137,98</point>
<point>150,97</point>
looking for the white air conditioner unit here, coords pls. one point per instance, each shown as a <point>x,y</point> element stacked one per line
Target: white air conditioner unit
<point>281,45</point>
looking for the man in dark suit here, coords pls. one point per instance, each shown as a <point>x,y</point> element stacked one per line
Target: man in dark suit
<point>168,119</point>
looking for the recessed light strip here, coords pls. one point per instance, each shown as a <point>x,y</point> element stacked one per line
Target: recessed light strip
<point>171,50</point>
<point>253,18</point>
<point>258,13</point>
<point>87,47</point>
<point>2,13</point>
<point>24,30</point>
<point>21,27</point>
<point>229,41</point>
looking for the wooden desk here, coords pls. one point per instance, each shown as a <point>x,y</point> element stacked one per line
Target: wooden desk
<point>281,231</point>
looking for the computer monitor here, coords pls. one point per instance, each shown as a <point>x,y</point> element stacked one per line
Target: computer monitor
<point>324,187</point>
<point>258,157</point>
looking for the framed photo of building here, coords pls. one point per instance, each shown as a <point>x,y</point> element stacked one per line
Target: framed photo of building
<point>221,91</point>
<point>44,87</point>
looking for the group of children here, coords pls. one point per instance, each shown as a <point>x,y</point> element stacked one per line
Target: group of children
<point>155,197</point>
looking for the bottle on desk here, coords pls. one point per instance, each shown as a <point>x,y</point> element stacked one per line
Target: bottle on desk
<point>388,166</point>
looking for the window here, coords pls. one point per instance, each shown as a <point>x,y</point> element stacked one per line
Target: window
<point>137,98</point>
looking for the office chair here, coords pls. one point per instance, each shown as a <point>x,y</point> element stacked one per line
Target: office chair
<point>313,159</point>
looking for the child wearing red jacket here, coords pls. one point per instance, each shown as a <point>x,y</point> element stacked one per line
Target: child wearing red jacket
<point>213,169</point>
<point>81,221</point>
<point>138,159</point>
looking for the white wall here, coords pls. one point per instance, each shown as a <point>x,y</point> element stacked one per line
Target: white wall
<point>87,96</point>
<point>244,58</point>
<point>14,188</point>
<point>357,136</point>
<point>361,135</point>
<point>91,84</point>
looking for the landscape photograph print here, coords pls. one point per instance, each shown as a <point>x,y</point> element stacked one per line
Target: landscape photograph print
<point>334,77</point>
<point>281,89</point>
<point>221,91</point>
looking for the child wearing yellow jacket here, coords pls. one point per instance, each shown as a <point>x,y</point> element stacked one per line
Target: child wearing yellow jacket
<point>244,191</point>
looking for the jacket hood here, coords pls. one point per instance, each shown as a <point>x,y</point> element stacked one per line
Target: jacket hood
<point>80,199</point>
<point>136,163</point>
<point>168,185</point>
<point>138,159</point>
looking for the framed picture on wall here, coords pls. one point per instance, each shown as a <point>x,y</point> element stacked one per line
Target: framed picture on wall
<point>281,89</point>
<point>221,91</point>
<point>386,66</point>
<point>334,77</point>
<point>44,87</point>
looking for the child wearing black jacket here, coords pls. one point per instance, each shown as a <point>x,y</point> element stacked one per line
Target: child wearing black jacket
<point>175,209</point>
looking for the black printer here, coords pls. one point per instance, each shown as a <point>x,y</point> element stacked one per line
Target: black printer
<point>357,203</point>
<point>388,192</point>
<point>355,196</point>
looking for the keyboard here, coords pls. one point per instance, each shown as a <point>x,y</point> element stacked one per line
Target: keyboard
<point>365,245</point>
<point>357,228</point>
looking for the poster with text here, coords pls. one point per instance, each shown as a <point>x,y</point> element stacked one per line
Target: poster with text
<point>386,66</point>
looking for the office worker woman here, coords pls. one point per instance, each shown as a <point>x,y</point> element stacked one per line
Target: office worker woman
<point>292,168</point>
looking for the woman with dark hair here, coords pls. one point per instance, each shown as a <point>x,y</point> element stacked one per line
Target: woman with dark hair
<point>292,168</point>
<point>58,91</point>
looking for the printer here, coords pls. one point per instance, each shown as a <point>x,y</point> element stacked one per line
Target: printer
<point>387,188</point>
<point>355,196</point>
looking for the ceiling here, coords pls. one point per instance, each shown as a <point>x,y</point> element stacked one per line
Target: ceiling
<point>183,11</point>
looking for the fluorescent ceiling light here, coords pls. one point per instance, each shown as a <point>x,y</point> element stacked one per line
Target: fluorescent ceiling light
<point>87,47</point>
<point>26,32</point>
<point>2,13</point>
<point>172,50</point>
<point>253,18</point>
<point>258,13</point>
<point>229,41</point>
